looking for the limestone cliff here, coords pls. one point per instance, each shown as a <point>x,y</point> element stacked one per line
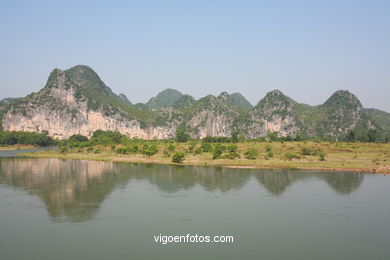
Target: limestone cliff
<point>76,101</point>
<point>62,108</point>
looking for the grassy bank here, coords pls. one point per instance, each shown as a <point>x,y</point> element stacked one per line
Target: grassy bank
<point>339,156</point>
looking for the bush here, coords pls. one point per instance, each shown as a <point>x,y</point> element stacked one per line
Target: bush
<point>149,150</point>
<point>232,152</point>
<point>63,150</point>
<point>251,154</point>
<point>218,150</point>
<point>198,151</point>
<point>322,156</point>
<point>290,156</point>
<point>217,153</point>
<point>310,151</point>
<point>171,148</point>
<point>166,154</point>
<point>216,139</point>
<point>191,147</point>
<point>77,139</point>
<point>121,150</point>
<point>178,157</point>
<point>268,152</point>
<point>231,155</point>
<point>206,147</point>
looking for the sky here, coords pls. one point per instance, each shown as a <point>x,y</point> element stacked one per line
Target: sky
<point>306,49</point>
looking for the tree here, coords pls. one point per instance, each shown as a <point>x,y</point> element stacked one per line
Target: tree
<point>372,135</point>
<point>182,136</point>
<point>272,136</point>
<point>351,136</point>
<point>218,150</point>
<point>235,137</point>
<point>77,138</point>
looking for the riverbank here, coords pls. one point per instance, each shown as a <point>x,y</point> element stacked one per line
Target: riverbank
<point>16,147</point>
<point>354,157</point>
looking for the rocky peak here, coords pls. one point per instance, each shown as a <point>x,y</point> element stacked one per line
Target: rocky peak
<point>124,99</point>
<point>275,93</point>
<point>343,98</point>
<point>275,100</point>
<point>56,79</point>
<point>223,96</point>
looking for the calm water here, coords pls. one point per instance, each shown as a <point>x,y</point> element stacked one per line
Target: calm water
<point>69,209</point>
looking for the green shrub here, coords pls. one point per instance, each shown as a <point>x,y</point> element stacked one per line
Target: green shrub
<point>149,150</point>
<point>216,139</point>
<point>231,155</point>
<point>290,156</point>
<point>322,156</point>
<point>206,147</point>
<point>63,149</point>
<point>178,157</point>
<point>251,154</point>
<point>232,148</point>
<point>218,151</point>
<point>171,148</point>
<point>77,138</point>
<point>310,151</point>
<point>268,152</point>
<point>191,147</point>
<point>198,151</point>
<point>166,154</point>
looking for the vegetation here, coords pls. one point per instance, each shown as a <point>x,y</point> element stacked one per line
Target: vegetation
<point>166,98</point>
<point>181,135</point>
<point>178,157</point>
<point>251,154</point>
<point>108,145</point>
<point>30,138</point>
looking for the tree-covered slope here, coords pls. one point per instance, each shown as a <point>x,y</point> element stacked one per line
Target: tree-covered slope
<point>166,98</point>
<point>380,118</point>
<point>240,101</point>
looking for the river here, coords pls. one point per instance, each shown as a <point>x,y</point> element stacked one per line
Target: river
<point>75,209</point>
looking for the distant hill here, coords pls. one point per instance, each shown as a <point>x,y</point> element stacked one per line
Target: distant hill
<point>76,101</point>
<point>241,101</point>
<point>166,98</point>
<point>124,99</point>
<point>380,118</point>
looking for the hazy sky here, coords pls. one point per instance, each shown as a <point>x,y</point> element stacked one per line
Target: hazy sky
<point>307,49</point>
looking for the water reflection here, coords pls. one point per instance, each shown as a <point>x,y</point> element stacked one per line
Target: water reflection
<point>73,190</point>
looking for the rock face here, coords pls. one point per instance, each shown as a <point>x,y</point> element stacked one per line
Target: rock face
<point>62,109</point>
<point>76,101</point>
<point>274,113</point>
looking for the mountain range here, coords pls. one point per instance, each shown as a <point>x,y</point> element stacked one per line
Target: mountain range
<point>76,101</point>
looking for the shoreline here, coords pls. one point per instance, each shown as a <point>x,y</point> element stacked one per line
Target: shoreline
<point>241,164</point>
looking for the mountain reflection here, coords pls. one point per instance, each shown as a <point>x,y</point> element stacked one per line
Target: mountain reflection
<point>73,190</point>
